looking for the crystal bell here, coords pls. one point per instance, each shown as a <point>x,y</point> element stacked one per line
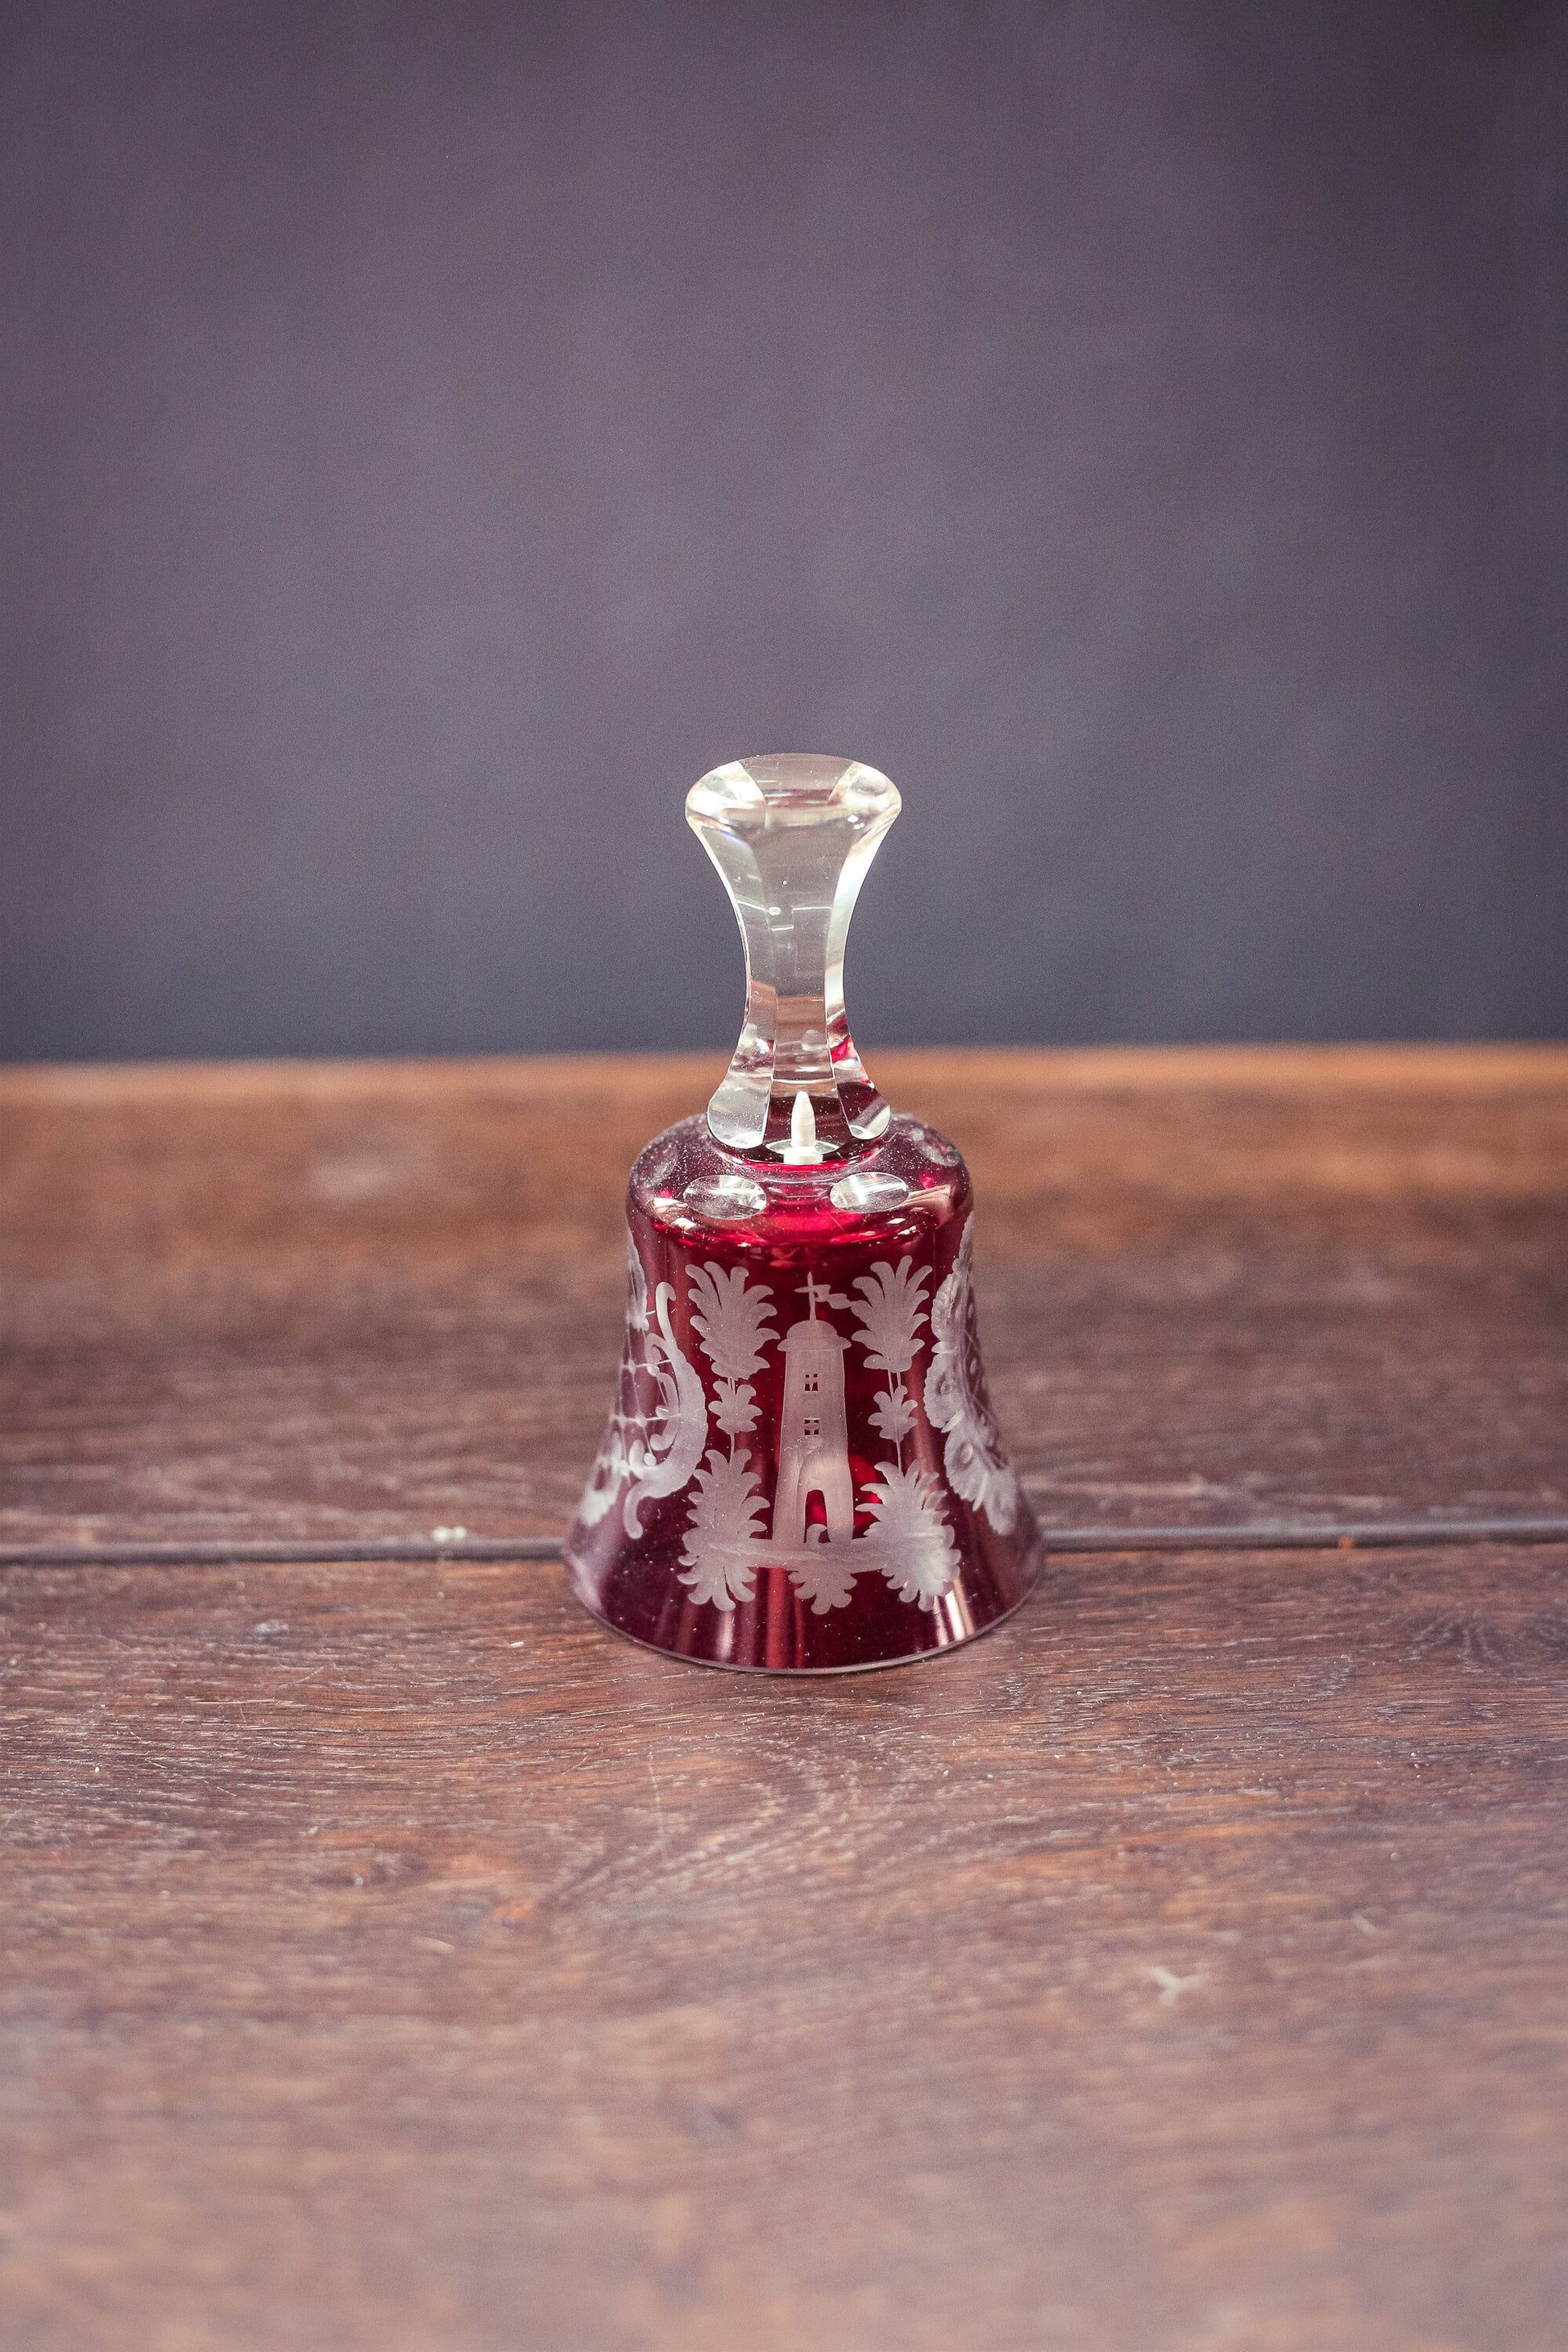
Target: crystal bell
<point>800,1472</point>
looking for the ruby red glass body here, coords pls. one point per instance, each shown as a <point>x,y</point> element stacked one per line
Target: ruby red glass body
<point>801,1470</point>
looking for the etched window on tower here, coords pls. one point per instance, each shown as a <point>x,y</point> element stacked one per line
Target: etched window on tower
<point>811,1426</point>
<point>811,1382</point>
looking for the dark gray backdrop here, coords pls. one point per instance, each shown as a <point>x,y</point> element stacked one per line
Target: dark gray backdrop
<point>434,433</point>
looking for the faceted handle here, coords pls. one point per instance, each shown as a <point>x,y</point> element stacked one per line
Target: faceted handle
<point>793,836</point>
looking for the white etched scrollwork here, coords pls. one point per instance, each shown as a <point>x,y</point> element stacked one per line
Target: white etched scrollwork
<point>678,1431</point>
<point>976,1466</point>
<point>659,1427</point>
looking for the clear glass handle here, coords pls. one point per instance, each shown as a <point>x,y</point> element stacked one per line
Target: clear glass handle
<point>792,835</point>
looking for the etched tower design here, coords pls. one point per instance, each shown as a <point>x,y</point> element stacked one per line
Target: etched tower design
<point>814,1442</point>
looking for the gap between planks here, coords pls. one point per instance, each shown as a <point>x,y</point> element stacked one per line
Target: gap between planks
<point>1265,1535</point>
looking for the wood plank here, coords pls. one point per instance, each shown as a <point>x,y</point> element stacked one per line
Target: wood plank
<point>396,1959</point>
<point>314,1302</point>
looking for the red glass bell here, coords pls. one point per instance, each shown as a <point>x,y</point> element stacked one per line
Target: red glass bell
<point>800,1472</point>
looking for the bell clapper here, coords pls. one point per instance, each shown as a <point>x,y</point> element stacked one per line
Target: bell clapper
<point>802,1149</point>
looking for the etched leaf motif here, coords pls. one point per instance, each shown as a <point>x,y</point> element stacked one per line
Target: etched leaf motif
<point>731,1316</point>
<point>726,1516</point>
<point>890,1313</point>
<point>735,1407</point>
<point>676,1429</point>
<point>893,1415</point>
<point>823,1573</point>
<point>908,1515</point>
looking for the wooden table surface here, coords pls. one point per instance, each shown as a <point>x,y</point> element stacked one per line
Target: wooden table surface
<point>393,1959</point>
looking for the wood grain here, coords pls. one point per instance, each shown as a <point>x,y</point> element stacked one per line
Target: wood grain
<point>394,1959</point>
<point>316,1303</point>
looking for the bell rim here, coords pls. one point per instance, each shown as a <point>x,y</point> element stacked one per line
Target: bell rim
<point>1032,1571</point>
